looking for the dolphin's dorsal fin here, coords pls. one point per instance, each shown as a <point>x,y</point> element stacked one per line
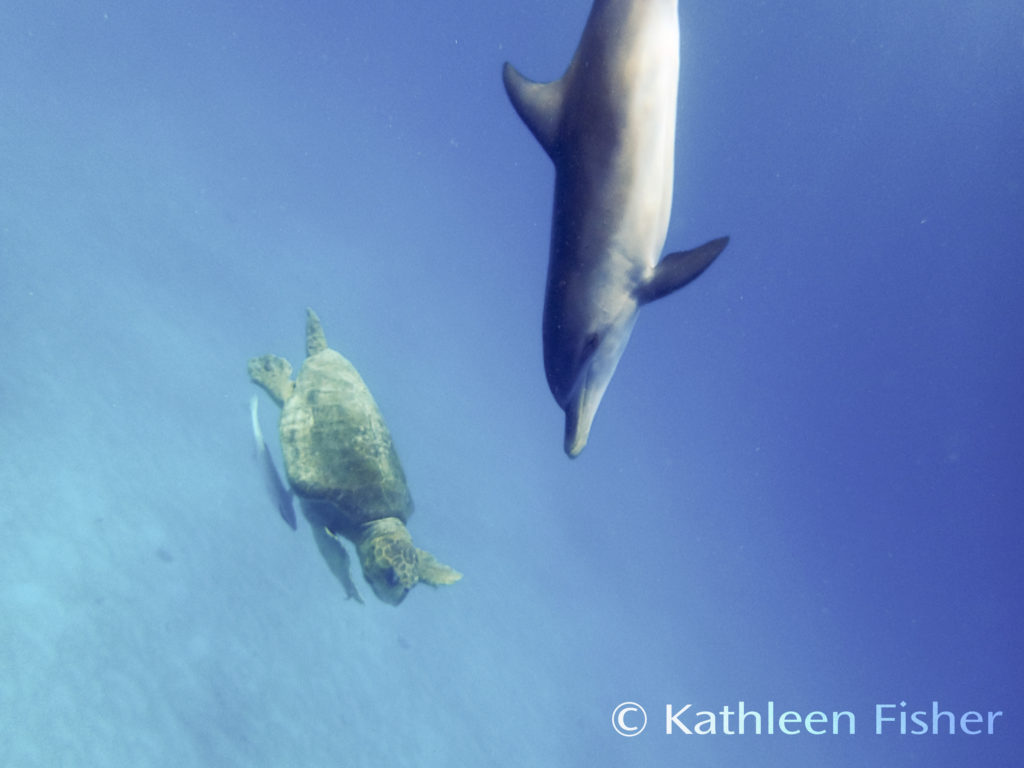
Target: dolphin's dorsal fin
<point>679,268</point>
<point>538,104</point>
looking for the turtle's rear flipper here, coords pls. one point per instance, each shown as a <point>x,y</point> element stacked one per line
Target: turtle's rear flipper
<point>433,572</point>
<point>336,556</point>
<point>273,373</point>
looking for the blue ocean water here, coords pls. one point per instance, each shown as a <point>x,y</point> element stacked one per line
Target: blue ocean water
<point>803,487</point>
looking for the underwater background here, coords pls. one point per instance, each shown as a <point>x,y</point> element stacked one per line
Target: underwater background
<point>804,485</point>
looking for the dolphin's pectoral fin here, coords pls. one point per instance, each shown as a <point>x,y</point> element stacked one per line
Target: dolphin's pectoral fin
<point>679,268</point>
<point>538,104</point>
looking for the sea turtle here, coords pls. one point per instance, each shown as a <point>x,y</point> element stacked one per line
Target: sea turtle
<point>342,465</point>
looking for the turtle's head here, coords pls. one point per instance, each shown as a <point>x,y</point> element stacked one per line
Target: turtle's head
<point>389,559</point>
<point>392,565</point>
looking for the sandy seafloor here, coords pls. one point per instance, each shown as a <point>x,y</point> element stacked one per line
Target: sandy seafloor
<point>803,487</point>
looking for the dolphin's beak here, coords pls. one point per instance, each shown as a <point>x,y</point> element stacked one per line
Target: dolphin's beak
<point>579,415</point>
<point>592,379</point>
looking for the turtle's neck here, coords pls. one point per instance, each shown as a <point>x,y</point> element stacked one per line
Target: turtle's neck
<point>384,527</point>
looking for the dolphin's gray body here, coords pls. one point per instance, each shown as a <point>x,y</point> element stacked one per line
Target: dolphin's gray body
<point>609,126</point>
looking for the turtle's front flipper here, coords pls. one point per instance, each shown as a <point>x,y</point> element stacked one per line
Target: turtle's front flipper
<point>280,495</point>
<point>433,572</point>
<point>337,559</point>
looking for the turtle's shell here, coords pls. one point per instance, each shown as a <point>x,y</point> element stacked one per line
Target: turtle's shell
<point>336,446</point>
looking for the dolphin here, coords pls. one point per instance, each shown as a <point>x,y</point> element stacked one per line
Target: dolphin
<point>609,126</point>
<point>279,494</point>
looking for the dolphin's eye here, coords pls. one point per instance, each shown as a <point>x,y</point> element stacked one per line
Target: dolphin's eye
<point>590,345</point>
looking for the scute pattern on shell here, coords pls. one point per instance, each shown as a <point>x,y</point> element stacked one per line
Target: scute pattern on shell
<point>337,447</point>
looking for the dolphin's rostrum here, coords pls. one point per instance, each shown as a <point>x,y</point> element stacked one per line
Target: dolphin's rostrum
<point>609,126</point>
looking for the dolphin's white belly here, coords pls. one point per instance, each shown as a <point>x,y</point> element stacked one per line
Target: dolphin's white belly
<point>641,172</point>
<point>615,159</point>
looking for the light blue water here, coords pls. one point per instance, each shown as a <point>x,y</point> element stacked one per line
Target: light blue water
<point>804,485</point>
